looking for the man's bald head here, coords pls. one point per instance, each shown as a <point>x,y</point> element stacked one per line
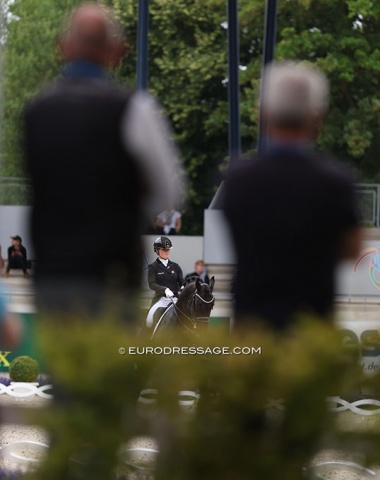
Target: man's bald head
<point>91,32</point>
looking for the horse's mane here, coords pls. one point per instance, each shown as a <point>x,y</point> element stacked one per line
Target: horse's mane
<point>189,288</point>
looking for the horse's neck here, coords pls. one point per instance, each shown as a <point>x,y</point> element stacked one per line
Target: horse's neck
<point>183,302</point>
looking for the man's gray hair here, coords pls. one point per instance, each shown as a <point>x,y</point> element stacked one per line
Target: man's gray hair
<point>293,92</point>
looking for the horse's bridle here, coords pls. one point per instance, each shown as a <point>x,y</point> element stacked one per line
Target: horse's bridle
<point>191,305</point>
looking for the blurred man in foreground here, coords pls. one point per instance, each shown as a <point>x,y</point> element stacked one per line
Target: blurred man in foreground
<point>98,156</point>
<point>291,210</point>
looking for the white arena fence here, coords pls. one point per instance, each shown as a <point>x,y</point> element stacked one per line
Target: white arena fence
<point>188,398</point>
<point>25,389</point>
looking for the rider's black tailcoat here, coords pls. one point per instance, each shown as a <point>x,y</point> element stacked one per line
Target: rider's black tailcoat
<point>161,277</point>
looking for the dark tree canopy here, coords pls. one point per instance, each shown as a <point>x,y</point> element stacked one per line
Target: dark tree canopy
<point>188,72</point>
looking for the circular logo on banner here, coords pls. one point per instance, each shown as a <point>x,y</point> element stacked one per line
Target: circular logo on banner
<point>374,266</point>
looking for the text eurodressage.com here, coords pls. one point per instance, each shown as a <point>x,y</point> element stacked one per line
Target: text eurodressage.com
<point>193,350</point>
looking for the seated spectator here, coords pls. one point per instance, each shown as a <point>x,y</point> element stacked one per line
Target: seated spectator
<point>200,272</point>
<point>169,222</point>
<point>17,258</point>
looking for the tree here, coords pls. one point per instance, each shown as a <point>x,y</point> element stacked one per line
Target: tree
<point>188,72</point>
<point>187,64</point>
<point>29,61</point>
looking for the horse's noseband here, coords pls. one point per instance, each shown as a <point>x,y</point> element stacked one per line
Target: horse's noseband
<point>191,305</point>
<point>205,301</point>
<point>191,309</point>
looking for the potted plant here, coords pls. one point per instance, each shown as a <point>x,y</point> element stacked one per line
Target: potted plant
<point>23,372</point>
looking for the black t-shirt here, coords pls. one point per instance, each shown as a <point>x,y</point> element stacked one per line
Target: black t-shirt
<point>287,213</point>
<point>87,186</point>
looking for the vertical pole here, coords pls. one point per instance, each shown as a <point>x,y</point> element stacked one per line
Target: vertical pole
<point>142,45</point>
<point>234,143</point>
<point>268,56</point>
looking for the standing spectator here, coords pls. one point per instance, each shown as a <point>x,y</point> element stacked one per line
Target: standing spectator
<point>199,272</point>
<point>112,159</point>
<point>17,257</point>
<point>99,155</point>
<point>291,210</point>
<point>169,222</point>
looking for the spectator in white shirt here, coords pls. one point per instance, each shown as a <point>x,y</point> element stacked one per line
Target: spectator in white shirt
<point>169,221</point>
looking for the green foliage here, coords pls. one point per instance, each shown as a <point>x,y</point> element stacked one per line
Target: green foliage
<point>232,433</point>
<point>187,63</point>
<point>188,72</point>
<point>29,61</point>
<point>23,369</point>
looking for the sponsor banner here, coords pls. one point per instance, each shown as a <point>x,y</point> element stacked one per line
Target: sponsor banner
<point>28,343</point>
<point>361,277</point>
<point>366,334</point>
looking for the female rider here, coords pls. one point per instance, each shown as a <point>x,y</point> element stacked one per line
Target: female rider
<point>164,277</point>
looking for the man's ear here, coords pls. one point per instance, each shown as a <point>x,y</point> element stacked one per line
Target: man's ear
<point>118,53</point>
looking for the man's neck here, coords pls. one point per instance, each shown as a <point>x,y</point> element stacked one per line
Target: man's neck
<point>288,140</point>
<point>84,69</point>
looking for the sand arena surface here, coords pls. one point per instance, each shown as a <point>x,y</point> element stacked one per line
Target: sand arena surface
<point>10,433</point>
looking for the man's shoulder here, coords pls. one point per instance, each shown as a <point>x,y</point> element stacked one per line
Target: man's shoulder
<point>192,274</point>
<point>82,88</point>
<point>246,166</point>
<point>319,164</point>
<point>332,169</point>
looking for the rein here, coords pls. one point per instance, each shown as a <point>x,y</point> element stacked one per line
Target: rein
<point>193,322</point>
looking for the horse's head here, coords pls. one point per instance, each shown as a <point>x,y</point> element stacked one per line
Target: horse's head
<point>197,301</point>
<point>192,310</point>
<point>204,299</point>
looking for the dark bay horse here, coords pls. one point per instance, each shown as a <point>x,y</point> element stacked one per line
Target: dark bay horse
<point>191,312</point>
<point>189,317</point>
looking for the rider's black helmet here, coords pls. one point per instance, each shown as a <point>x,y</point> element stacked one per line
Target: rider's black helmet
<point>162,242</point>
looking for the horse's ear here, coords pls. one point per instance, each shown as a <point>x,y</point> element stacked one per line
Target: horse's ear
<point>198,284</point>
<point>212,283</point>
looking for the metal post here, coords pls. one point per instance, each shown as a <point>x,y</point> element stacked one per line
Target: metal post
<point>234,143</point>
<point>268,56</point>
<point>142,45</point>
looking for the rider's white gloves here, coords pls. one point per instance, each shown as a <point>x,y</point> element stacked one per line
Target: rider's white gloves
<point>169,293</point>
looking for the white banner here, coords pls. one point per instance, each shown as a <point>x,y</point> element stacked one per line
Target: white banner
<point>361,277</point>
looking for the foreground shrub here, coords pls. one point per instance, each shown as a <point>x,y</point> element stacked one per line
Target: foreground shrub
<point>23,369</point>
